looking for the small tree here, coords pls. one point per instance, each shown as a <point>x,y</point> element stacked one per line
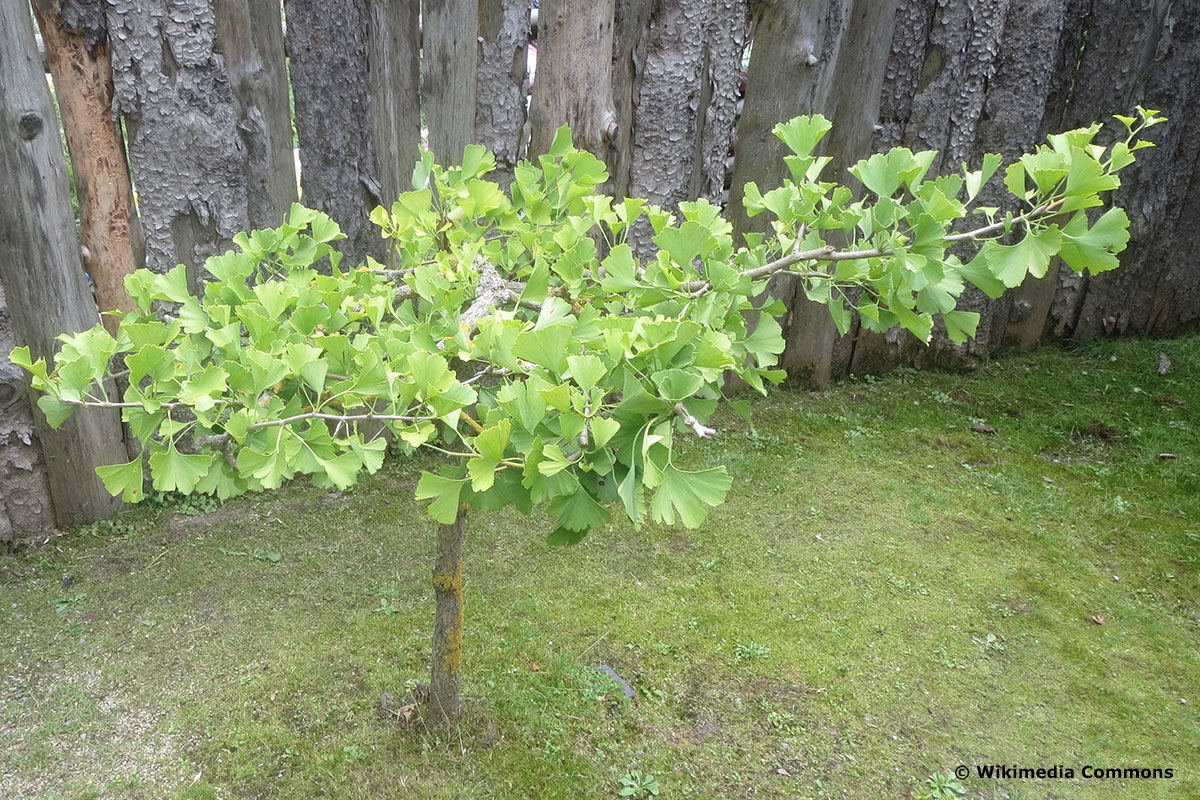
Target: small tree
<point>546,372</point>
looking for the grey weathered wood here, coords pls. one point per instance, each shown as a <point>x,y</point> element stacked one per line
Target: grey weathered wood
<point>502,80</point>
<point>574,76</point>
<point>250,38</point>
<point>686,100</point>
<point>1147,53</point>
<point>47,293</point>
<point>630,25</point>
<point>450,71</point>
<point>75,34</point>
<point>189,160</point>
<point>395,77</point>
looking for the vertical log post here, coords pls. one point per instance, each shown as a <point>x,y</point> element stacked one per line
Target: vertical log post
<point>46,290</point>
<point>250,37</point>
<point>445,704</point>
<point>500,84</point>
<point>449,66</point>
<point>75,33</point>
<point>574,77</point>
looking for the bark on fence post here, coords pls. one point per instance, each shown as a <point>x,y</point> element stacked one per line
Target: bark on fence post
<point>686,98</point>
<point>500,85</point>
<point>75,33</point>
<point>574,81</point>
<point>46,291</point>
<point>351,72</point>
<point>1145,53</point>
<point>189,161</point>
<point>445,705</point>
<point>806,59</point>
<point>250,37</point>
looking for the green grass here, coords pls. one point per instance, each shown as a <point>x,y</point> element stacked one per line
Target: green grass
<point>885,595</point>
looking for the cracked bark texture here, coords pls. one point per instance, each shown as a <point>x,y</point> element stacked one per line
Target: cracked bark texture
<point>967,78</point>
<point>1147,53</point>
<point>354,79</point>
<point>189,159</point>
<point>75,33</point>
<point>47,294</point>
<point>501,82</point>
<point>25,504</point>
<point>685,102</point>
<point>328,44</point>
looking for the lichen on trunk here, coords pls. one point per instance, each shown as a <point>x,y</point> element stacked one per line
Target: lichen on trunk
<point>445,704</point>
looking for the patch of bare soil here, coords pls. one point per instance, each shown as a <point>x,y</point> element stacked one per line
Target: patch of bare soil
<point>113,747</point>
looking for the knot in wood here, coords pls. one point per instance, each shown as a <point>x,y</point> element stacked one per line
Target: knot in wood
<point>29,125</point>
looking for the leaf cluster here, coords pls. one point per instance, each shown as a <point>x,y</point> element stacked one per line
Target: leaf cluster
<point>522,337</point>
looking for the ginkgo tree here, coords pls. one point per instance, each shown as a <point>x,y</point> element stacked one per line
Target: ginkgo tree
<point>519,336</point>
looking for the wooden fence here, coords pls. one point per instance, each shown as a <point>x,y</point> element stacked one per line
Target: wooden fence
<point>191,98</point>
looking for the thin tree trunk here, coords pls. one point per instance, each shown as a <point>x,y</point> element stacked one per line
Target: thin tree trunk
<point>47,293</point>
<point>75,33</point>
<point>574,78</point>
<point>445,704</point>
<point>450,70</point>
<point>500,94</point>
<point>189,161</point>
<point>250,37</point>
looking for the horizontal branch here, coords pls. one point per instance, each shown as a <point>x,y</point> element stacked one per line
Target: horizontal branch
<point>830,254</point>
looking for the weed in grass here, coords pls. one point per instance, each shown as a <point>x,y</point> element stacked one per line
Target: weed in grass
<point>638,784</point>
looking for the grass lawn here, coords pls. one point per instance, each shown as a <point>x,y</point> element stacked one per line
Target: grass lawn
<point>887,594</point>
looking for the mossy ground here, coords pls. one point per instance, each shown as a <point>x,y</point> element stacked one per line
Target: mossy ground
<point>886,594</point>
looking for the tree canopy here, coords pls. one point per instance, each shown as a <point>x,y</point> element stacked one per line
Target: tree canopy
<point>520,336</point>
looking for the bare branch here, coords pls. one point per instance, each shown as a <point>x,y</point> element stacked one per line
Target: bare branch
<point>701,430</point>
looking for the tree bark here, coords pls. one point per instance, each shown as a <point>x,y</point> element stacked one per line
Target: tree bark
<point>445,705</point>
<point>250,39</point>
<point>354,73</point>
<point>188,157</point>
<point>25,504</point>
<point>631,21</point>
<point>329,47</point>
<point>501,81</point>
<point>686,102</point>
<point>574,80</point>
<point>1146,53</point>
<point>450,63</point>
<point>47,293</point>
<point>75,33</point>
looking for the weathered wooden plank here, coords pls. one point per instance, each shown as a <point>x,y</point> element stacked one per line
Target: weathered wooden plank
<point>574,77</point>
<point>395,76</point>
<point>47,293</point>
<point>250,39</point>
<point>450,73</point>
